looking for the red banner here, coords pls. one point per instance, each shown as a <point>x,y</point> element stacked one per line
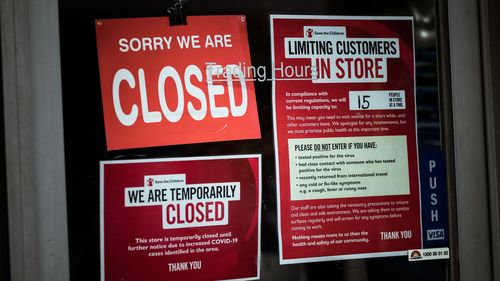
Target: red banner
<point>166,85</point>
<point>181,218</point>
<point>345,137</point>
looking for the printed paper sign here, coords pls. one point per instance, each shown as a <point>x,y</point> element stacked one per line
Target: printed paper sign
<point>181,218</point>
<point>157,81</point>
<point>345,137</point>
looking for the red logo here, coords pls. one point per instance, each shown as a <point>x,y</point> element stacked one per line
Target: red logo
<point>309,32</point>
<point>150,182</point>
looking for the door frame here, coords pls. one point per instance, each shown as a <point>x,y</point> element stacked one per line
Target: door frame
<point>35,147</point>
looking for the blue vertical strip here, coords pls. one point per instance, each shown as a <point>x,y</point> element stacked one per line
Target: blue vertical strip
<point>434,199</point>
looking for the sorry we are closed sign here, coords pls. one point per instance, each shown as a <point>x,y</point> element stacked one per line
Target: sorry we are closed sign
<point>167,85</point>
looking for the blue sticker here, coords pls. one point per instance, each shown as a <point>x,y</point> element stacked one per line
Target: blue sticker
<point>434,199</point>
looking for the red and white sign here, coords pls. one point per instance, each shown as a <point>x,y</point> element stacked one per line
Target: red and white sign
<point>345,137</point>
<point>181,218</point>
<point>167,85</point>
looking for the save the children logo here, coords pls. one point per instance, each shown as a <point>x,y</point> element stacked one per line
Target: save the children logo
<point>309,32</point>
<point>185,205</point>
